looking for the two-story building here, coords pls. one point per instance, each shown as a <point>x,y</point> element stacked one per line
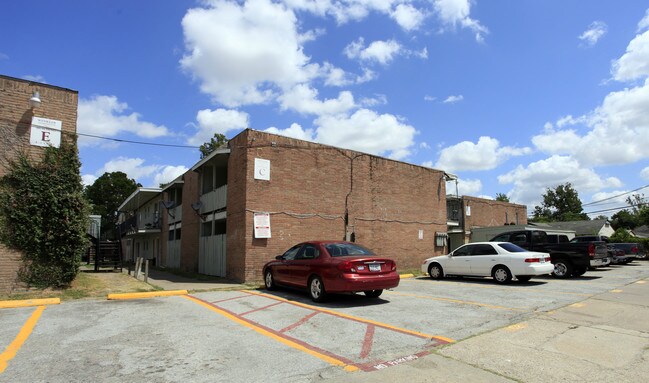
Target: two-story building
<point>240,206</point>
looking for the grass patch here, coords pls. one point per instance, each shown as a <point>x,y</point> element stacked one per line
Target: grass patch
<point>87,284</point>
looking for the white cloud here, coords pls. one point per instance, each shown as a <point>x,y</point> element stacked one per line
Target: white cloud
<point>644,23</point>
<point>368,132</point>
<point>35,78</point>
<point>453,99</point>
<point>106,116</point>
<point>168,173</point>
<point>644,174</point>
<point>456,12</point>
<point>381,52</point>
<point>226,44</point>
<point>530,182</point>
<point>217,121</point>
<point>485,155</point>
<point>634,64</point>
<point>596,30</point>
<point>407,16</point>
<point>294,131</point>
<point>429,98</point>
<point>467,187</point>
<point>135,168</point>
<point>303,99</point>
<point>88,179</point>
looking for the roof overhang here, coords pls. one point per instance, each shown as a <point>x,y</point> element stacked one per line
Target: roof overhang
<point>219,154</point>
<point>138,198</point>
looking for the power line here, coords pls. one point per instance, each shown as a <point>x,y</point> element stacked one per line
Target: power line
<point>133,142</point>
<point>615,196</point>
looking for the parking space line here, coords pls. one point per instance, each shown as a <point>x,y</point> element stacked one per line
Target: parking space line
<point>11,350</point>
<point>261,308</point>
<point>367,341</point>
<point>486,305</point>
<point>357,319</point>
<point>334,360</point>
<point>298,323</point>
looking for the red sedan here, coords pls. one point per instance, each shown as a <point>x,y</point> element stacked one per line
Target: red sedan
<point>324,267</point>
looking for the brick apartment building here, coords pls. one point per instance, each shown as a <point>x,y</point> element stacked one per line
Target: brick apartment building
<point>27,126</point>
<point>306,191</point>
<point>466,213</point>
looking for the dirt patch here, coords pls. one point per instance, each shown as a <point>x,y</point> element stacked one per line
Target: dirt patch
<point>88,284</point>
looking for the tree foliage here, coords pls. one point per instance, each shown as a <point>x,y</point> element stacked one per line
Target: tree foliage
<point>106,194</point>
<point>44,215</point>
<point>560,204</point>
<point>636,215</point>
<point>216,142</point>
<point>502,197</point>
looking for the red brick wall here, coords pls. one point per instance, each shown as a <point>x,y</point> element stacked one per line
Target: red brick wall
<point>15,122</point>
<point>311,186</point>
<point>487,213</point>
<point>190,224</point>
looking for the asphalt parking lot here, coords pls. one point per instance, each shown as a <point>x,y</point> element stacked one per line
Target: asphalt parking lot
<point>255,335</point>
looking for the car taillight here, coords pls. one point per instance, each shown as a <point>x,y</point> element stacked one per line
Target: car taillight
<point>634,250</point>
<point>591,250</point>
<point>347,267</point>
<point>534,260</point>
<point>392,266</point>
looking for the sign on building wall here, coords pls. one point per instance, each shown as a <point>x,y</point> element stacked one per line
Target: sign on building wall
<point>262,169</point>
<point>45,132</point>
<point>262,225</point>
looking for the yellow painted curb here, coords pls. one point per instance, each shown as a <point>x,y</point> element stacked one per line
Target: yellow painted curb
<point>406,275</point>
<point>29,302</point>
<point>150,294</point>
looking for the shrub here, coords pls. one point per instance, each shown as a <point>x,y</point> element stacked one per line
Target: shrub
<point>44,215</point>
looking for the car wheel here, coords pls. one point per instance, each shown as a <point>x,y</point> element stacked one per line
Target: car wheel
<point>269,281</point>
<point>524,278</point>
<point>501,274</point>
<point>580,271</point>
<point>435,271</point>
<point>317,289</point>
<point>373,293</point>
<point>562,269</point>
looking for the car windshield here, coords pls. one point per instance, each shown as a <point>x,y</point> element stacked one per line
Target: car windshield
<point>512,248</point>
<point>342,249</point>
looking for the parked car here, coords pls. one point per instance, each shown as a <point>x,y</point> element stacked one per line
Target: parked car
<point>628,251</point>
<point>616,255</point>
<point>558,238</point>
<point>500,260</point>
<point>324,267</point>
<point>568,258</point>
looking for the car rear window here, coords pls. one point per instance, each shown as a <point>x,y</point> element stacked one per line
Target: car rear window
<point>343,249</point>
<point>511,247</point>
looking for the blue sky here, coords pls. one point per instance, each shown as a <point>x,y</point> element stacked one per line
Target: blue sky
<point>512,96</point>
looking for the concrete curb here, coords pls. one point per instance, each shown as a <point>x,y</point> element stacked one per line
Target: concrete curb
<point>402,276</point>
<point>29,303</point>
<point>151,294</point>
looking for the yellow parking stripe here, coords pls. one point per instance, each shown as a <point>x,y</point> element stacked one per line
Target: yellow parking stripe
<point>326,358</point>
<point>457,301</point>
<point>22,336</point>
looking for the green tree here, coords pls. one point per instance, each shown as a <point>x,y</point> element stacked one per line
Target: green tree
<point>560,204</point>
<point>624,219</point>
<point>106,194</point>
<point>44,214</point>
<point>502,197</point>
<point>214,143</point>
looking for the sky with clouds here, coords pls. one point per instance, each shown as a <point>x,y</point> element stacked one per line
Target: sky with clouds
<point>513,97</point>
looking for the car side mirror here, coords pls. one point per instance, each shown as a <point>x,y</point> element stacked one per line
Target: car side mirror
<point>279,257</point>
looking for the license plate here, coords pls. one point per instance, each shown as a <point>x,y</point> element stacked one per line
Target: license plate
<point>375,267</point>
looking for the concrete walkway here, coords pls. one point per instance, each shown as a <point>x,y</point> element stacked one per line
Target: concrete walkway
<point>169,281</point>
